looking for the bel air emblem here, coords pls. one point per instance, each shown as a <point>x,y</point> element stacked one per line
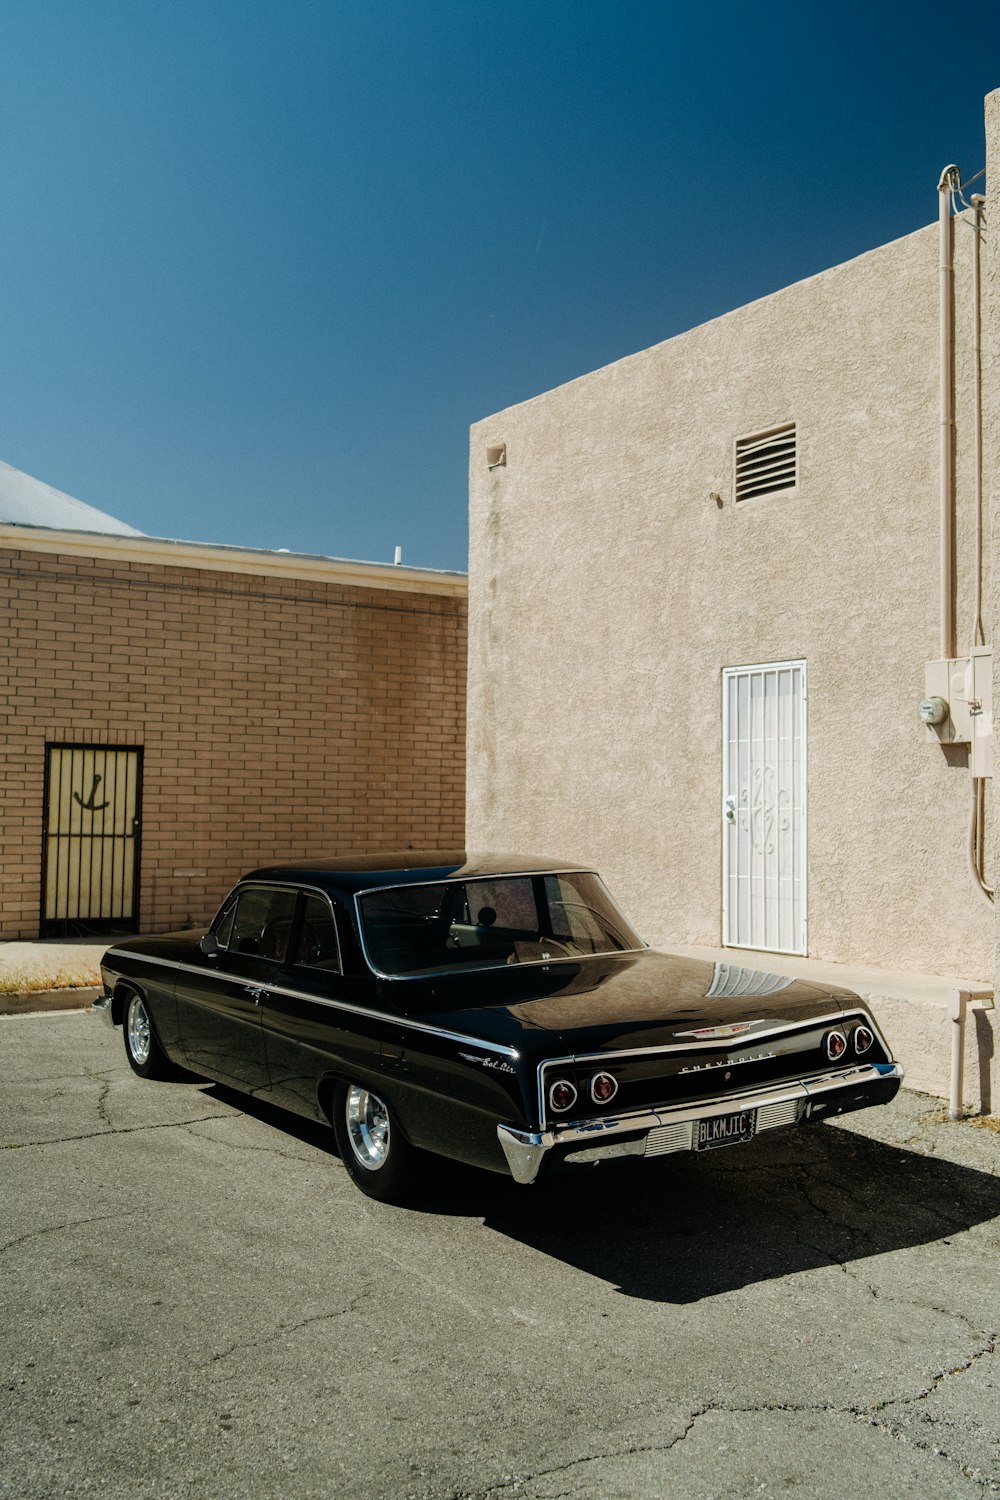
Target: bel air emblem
<point>493,1063</point>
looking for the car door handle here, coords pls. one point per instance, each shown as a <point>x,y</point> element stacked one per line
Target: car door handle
<point>256,993</point>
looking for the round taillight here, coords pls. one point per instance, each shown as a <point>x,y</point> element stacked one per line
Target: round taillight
<point>863,1038</point>
<point>836,1045</point>
<point>562,1095</point>
<point>603,1088</point>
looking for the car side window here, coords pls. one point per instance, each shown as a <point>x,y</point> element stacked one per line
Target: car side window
<point>262,923</point>
<point>318,946</point>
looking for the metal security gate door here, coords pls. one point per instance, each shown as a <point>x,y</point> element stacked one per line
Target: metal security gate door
<point>764,807</point>
<point>90,861</point>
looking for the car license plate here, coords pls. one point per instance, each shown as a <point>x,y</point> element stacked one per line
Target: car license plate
<point>725,1130</point>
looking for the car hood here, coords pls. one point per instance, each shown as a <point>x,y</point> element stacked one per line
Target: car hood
<point>635,1000</point>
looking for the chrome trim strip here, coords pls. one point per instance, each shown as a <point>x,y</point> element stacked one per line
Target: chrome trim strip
<point>380,1015</point>
<point>786,1029</point>
<point>403,885</point>
<point>242,981</point>
<point>357,1010</point>
<point>147,958</point>
<point>524,1149</point>
<point>533,963</point>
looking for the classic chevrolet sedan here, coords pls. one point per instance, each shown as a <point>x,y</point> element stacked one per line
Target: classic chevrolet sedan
<point>501,1012</point>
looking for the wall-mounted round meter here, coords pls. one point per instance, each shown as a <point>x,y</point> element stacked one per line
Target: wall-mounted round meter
<point>933,710</point>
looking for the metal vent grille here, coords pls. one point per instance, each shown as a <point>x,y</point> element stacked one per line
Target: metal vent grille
<point>664,1138</point>
<point>770,1116</point>
<point>766,462</point>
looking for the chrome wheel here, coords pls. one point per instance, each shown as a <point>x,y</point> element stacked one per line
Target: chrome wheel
<point>143,1052</point>
<point>137,1025</point>
<point>367,1127</point>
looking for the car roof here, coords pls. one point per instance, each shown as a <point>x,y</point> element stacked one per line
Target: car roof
<point>360,872</point>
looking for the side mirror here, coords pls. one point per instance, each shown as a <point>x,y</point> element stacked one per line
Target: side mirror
<point>209,946</point>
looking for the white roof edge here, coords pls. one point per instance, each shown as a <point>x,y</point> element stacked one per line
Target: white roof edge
<point>27,501</point>
<point>222,557</point>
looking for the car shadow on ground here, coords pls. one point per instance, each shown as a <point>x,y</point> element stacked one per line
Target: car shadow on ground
<point>681,1228</point>
<point>310,1132</point>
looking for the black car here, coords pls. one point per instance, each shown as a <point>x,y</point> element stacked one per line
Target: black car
<point>501,1012</point>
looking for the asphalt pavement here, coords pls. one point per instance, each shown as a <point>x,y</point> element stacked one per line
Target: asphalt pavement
<point>196,1301</point>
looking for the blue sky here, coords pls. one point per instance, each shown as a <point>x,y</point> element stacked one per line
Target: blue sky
<point>262,264</point>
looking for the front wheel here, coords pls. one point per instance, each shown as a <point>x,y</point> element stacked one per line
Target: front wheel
<point>146,1056</point>
<point>375,1153</point>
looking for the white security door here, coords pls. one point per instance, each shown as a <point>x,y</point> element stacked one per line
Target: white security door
<point>764,807</point>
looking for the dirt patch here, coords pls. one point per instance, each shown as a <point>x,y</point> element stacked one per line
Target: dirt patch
<point>26,967</point>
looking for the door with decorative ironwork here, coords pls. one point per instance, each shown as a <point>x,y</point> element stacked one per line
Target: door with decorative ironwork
<point>764,807</point>
<point>90,859</point>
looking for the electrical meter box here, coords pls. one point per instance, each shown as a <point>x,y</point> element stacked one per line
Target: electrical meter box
<point>980,705</point>
<point>950,680</point>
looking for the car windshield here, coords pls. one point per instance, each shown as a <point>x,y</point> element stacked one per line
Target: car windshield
<point>504,919</point>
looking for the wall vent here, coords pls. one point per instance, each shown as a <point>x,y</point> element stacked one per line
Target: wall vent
<point>766,462</point>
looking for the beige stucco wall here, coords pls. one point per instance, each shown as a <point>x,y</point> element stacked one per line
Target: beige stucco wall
<point>608,591</point>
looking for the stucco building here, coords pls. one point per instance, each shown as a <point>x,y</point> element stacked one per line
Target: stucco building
<point>175,713</point>
<point>705,585</point>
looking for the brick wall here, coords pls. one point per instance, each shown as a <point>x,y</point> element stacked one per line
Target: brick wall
<point>280,718</point>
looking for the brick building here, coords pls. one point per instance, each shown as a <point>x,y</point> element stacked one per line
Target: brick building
<point>175,713</point>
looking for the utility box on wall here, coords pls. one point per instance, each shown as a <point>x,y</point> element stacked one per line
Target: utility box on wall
<point>958,706</point>
<point>980,704</point>
<point>947,682</point>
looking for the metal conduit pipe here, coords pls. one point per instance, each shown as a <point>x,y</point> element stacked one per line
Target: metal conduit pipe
<point>950,180</point>
<point>974,846</point>
<point>978,634</point>
<point>977,817</point>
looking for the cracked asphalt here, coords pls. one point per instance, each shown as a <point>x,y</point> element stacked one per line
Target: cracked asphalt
<point>197,1302</point>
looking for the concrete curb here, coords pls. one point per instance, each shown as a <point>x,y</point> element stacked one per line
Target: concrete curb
<point>29,1002</point>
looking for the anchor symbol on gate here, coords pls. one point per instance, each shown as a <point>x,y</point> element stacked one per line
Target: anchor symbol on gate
<point>91,804</point>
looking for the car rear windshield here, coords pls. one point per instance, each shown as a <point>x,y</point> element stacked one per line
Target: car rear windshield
<point>508,919</point>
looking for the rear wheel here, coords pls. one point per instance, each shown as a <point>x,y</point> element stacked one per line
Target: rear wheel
<point>375,1153</point>
<point>146,1056</point>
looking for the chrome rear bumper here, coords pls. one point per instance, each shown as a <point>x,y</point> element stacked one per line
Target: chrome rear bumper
<point>655,1132</point>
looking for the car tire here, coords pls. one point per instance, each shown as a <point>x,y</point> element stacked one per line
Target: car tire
<point>376,1155</point>
<point>145,1055</point>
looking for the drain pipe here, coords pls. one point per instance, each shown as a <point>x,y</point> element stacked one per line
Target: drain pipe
<point>949,182</point>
